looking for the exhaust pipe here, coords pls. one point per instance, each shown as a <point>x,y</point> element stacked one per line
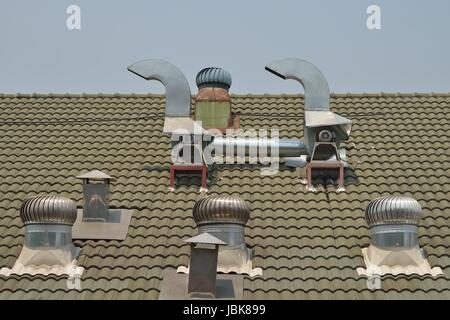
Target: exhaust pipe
<point>317,93</point>
<point>178,93</point>
<point>318,116</point>
<point>286,147</point>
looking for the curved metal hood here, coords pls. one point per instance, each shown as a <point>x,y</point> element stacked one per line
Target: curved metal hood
<point>317,98</point>
<point>317,93</point>
<point>178,93</point>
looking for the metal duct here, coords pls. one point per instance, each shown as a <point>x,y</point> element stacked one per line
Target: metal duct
<point>178,92</point>
<point>394,221</point>
<point>317,93</point>
<point>286,147</point>
<point>317,101</point>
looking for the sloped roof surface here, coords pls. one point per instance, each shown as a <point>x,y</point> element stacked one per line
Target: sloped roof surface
<point>308,244</point>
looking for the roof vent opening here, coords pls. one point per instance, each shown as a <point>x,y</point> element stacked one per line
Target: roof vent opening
<point>225,217</point>
<point>48,247</point>
<point>394,246</point>
<point>97,220</point>
<point>213,101</point>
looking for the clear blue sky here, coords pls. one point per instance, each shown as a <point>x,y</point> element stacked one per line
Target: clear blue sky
<point>39,54</point>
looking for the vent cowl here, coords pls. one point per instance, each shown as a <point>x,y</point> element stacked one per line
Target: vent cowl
<point>48,210</point>
<point>213,77</point>
<point>221,209</point>
<point>393,210</point>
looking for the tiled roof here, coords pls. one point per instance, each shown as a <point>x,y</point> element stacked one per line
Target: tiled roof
<point>308,244</point>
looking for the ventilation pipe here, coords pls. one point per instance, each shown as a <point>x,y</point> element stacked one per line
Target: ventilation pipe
<point>178,107</point>
<point>318,119</point>
<point>225,217</point>
<point>286,147</point>
<point>317,93</point>
<point>178,93</point>
<point>213,108</point>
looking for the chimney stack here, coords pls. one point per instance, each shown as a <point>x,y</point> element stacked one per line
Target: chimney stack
<point>96,195</point>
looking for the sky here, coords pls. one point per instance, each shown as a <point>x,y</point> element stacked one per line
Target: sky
<point>39,53</point>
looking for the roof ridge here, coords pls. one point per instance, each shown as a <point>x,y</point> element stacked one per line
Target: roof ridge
<point>239,95</point>
<point>80,95</point>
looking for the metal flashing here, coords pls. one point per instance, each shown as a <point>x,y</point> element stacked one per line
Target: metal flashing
<point>116,228</point>
<point>382,262</point>
<point>174,286</point>
<point>59,261</point>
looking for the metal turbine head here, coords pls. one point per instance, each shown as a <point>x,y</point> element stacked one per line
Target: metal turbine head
<point>393,210</point>
<point>221,209</point>
<point>48,210</point>
<point>214,77</point>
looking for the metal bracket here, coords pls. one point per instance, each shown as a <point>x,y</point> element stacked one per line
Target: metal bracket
<point>374,282</point>
<point>74,282</point>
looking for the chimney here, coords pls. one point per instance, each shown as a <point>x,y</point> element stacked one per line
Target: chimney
<point>203,265</point>
<point>213,102</point>
<point>95,196</point>
<point>225,217</point>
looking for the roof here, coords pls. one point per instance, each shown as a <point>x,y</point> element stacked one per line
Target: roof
<point>308,244</point>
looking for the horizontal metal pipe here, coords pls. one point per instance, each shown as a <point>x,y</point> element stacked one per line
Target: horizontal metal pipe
<point>237,145</point>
